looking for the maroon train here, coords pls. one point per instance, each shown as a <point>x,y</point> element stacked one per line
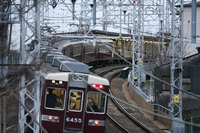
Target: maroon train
<point>68,103</point>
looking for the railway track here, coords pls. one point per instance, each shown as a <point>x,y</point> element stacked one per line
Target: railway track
<point>123,117</point>
<point>119,111</point>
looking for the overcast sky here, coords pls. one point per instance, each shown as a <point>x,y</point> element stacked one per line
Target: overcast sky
<point>60,17</point>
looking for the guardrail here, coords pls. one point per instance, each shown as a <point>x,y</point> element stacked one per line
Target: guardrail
<point>137,90</point>
<point>147,98</point>
<point>162,109</point>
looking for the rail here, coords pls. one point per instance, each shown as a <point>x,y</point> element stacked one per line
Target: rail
<point>124,111</point>
<point>117,124</point>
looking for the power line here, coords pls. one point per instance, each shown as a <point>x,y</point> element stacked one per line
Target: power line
<point>190,93</point>
<point>113,97</point>
<point>110,48</point>
<point>128,104</point>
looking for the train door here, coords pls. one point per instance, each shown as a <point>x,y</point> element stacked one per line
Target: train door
<point>75,109</point>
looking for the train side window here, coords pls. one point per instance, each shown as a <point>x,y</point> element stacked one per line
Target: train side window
<point>75,100</point>
<point>96,102</point>
<point>55,98</point>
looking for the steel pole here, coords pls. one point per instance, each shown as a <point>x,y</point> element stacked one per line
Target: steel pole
<point>194,21</point>
<point>94,12</point>
<point>22,118</point>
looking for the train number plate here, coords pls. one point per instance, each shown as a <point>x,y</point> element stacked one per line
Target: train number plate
<point>74,120</point>
<point>78,77</point>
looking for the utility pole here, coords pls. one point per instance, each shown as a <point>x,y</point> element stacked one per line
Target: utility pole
<point>137,46</point>
<point>161,31</point>
<point>167,18</point>
<point>104,15</point>
<point>84,20</point>
<point>5,24</point>
<point>30,30</point>
<point>176,71</point>
<point>194,21</point>
<point>94,6</point>
<point>134,78</point>
<point>124,16</point>
<point>120,26</point>
<point>22,92</point>
<point>73,9</point>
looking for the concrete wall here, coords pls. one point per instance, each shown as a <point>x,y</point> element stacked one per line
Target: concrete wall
<point>143,104</point>
<point>166,122</point>
<point>140,101</point>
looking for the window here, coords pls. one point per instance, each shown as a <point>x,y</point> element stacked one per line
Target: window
<point>96,102</point>
<point>75,100</point>
<point>55,98</point>
<point>55,63</point>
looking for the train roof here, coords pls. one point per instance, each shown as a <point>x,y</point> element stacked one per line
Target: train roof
<point>62,73</point>
<point>64,76</point>
<point>75,66</point>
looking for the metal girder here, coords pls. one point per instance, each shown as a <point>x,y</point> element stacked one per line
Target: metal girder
<point>29,26</point>
<point>170,2</point>
<point>84,21</point>
<point>176,71</point>
<point>137,43</point>
<point>161,33</point>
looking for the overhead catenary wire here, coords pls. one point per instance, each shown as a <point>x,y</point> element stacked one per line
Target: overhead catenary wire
<point>128,104</point>
<point>151,75</point>
<point>111,4</point>
<point>136,107</point>
<point>190,93</point>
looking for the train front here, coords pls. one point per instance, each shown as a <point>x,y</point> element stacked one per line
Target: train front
<point>70,104</point>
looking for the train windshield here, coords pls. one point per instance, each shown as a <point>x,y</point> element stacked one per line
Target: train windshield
<point>96,102</point>
<point>75,101</point>
<point>55,98</point>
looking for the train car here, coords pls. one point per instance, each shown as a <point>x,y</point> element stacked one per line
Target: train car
<point>70,103</point>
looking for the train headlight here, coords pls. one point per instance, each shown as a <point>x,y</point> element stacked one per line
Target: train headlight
<point>96,123</point>
<point>60,82</point>
<point>57,82</point>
